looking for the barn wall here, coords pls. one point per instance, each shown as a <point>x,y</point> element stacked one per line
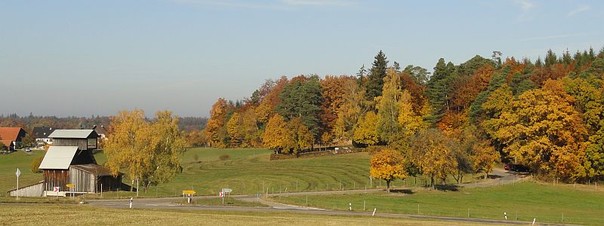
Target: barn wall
<point>83,181</point>
<point>55,178</point>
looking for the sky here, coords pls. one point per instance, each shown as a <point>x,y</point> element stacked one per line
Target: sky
<point>84,58</point>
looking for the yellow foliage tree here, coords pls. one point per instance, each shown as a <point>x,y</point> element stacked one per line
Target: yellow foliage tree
<point>298,136</point>
<point>234,130</point>
<point>433,155</point>
<point>366,130</point>
<point>410,121</point>
<point>388,165</point>
<point>275,133</point>
<point>349,112</point>
<point>148,150</point>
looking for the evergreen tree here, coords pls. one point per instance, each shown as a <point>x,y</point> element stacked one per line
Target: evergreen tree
<point>302,98</point>
<point>439,87</point>
<point>375,79</point>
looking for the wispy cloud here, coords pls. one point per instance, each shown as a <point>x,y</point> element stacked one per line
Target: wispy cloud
<point>269,4</point>
<point>525,5</point>
<point>580,9</point>
<point>550,37</point>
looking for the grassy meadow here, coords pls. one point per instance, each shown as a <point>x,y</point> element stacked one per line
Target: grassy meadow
<point>8,166</point>
<point>249,171</point>
<point>521,201</point>
<point>246,171</point>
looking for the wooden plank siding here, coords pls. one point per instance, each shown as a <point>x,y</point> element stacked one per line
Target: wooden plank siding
<point>83,144</point>
<point>93,178</point>
<point>56,178</point>
<point>83,181</point>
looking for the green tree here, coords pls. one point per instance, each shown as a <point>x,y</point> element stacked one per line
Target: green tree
<point>302,98</point>
<point>439,88</point>
<point>375,79</point>
<point>420,74</point>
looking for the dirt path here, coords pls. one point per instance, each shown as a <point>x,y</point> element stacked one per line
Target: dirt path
<point>499,176</point>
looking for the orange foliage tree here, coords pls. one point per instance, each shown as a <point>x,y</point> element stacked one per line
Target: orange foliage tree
<point>542,130</point>
<point>388,165</point>
<point>215,130</point>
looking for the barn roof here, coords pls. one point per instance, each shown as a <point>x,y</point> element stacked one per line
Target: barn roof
<point>73,133</point>
<point>58,157</point>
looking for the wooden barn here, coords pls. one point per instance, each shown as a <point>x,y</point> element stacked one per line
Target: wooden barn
<point>70,160</point>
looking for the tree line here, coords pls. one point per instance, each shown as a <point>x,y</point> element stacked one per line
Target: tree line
<point>545,114</point>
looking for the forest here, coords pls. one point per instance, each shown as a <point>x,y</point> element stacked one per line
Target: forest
<point>546,114</point>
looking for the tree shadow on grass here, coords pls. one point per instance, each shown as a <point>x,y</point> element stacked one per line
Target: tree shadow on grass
<point>447,187</point>
<point>493,176</point>
<point>401,191</point>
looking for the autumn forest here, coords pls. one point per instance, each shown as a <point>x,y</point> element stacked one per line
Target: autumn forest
<point>547,115</point>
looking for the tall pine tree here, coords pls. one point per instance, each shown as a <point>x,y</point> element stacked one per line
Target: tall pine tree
<point>375,79</point>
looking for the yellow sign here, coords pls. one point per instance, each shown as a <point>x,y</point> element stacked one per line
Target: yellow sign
<point>188,192</point>
<point>70,185</point>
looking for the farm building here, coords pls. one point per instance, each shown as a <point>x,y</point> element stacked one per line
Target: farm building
<point>41,135</point>
<point>70,160</point>
<point>11,137</point>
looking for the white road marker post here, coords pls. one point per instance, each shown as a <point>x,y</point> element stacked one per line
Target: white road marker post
<point>18,173</point>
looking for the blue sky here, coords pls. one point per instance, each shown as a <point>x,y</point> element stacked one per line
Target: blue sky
<point>79,58</point>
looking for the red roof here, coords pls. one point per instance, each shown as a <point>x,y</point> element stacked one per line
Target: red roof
<point>9,134</point>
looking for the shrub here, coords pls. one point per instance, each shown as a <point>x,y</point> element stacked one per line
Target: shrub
<point>35,164</point>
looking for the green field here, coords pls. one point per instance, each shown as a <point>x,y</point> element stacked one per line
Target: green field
<point>521,201</point>
<point>246,171</point>
<point>8,166</point>
<point>249,171</point>
<point>45,214</point>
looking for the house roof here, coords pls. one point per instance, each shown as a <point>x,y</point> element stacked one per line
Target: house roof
<point>42,132</point>
<point>73,133</point>
<point>9,134</point>
<point>58,157</point>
